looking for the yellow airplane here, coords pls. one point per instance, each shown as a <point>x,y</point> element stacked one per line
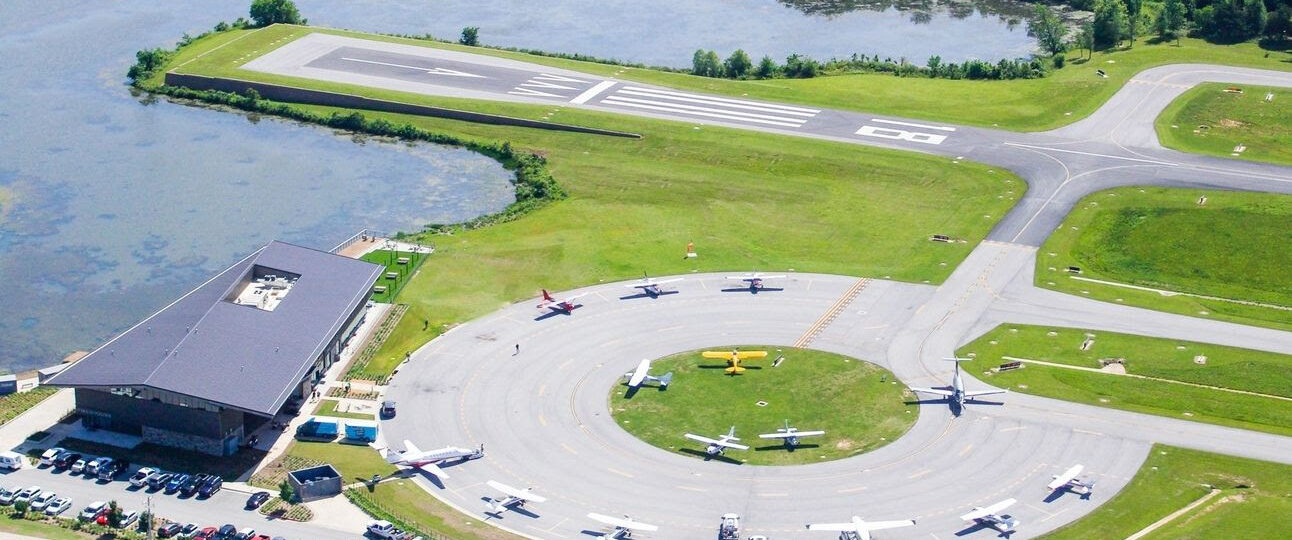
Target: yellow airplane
<point>733,358</point>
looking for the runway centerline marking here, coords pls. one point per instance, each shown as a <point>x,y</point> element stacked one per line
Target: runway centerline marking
<point>1094,154</point>
<point>693,488</point>
<point>592,92</point>
<point>912,124</point>
<point>429,71</point>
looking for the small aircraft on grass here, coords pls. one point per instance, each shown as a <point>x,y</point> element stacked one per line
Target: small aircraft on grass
<point>429,460</point>
<point>859,529</point>
<point>513,498</point>
<point>754,282</point>
<point>956,394</point>
<point>651,287</point>
<point>733,359</point>
<point>641,375</point>
<point>990,516</point>
<point>718,446</point>
<point>623,527</point>
<point>560,305</point>
<point>790,435</point>
<point>1069,481</point>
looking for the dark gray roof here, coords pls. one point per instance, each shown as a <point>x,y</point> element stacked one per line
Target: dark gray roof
<point>236,355</point>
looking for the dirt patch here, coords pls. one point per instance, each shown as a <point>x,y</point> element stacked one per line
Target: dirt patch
<point>1228,499</point>
<point>843,444</point>
<point>1228,123</point>
<point>1115,368</point>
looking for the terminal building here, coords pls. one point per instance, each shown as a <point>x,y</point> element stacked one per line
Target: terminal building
<point>224,359</point>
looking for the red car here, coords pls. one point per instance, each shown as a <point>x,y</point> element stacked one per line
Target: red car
<point>206,534</point>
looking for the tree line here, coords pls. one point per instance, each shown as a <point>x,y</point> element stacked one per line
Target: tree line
<point>1117,22</point>
<point>740,66</point>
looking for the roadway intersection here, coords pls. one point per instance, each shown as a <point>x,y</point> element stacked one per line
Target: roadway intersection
<point>542,413</point>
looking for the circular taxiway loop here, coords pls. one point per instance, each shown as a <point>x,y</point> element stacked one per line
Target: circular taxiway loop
<point>541,413</point>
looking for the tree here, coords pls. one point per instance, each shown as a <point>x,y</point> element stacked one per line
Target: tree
<point>285,491</point>
<point>1279,25</point>
<point>706,64</point>
<point>1086,39</point>
<point>267,12</point>
<point>1048,30</point>
<point>1111,23</point>
<point>470,36</point>
<point>737,65</point>
<point>1170,20</point>
<point>114,514</point>
<point>1255,17</point>
<point>766,68</point>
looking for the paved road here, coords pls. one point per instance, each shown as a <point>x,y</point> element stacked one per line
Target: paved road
<point>542,414</point>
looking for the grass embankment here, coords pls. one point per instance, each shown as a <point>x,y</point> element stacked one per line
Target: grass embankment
<point>1224,367</point>
<point>1065,96</point>
<point>1209,120</point>
<point>13,405</point>
<point>36,529</point>
<point>1252,496</point>
<point>809,389</point>
<point>409,505</point>
<point>328,407</point>
<point>404,272</point>
<point>1236,246</point>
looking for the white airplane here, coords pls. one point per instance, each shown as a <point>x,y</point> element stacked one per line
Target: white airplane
<point>1069,481</point>
<point>718,446</point>
<point>429,460</point>
<point>642,375</point>
<point>651,286</point>
<point>755,280</point>
<point>956,393</point>
<point>623,527</point>
<point>858,529</point>
<point>790,435</point>
<point>560,305</point>
<point>990,516</point>
<point>514,498</point>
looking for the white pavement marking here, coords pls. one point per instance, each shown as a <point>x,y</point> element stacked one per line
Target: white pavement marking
<point>687,108</point>
<point>911,124</point>
<point>559,78</point>
<point>592,92</point>
<point>731,104</point>
<point>901,135</point>
<point>429,71</point>
<point>673,109</point>
<point>721,100</point>
<point>1093,154</point>
<point>541,84</point>
<point>527,92</point>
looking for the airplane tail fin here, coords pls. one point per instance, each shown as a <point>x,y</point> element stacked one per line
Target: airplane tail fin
<point>388,455</point>
<point>547,296</point>
<point>665,379</point>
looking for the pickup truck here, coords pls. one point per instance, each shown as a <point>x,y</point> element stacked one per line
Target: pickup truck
<point>386,531</point>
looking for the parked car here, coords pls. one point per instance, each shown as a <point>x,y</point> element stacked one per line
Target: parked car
<point>79,466</point>
<point>260,537</point>
<point>187,531</point>
<point>256,499</point>
<point>169,530</point>
<point>226,531</point>
<point>210,487</point>
<point>176,481</point>
<point>388,409</point>
<point>192,484</point>
<point>26,495</point>
<point>93,511</point>
<point>12,460</point>
<point>7,495</point>
<point>47,458</point>
<point>92,468</point>
<point>58,506</point>
<point>207,533</point>
<point>40,502</point>
<point>129,518</point>
<point>65,460</point>
<point>112,470</point>
<point>247,533</point>
<point>159,479</point>
<point>140,478</point>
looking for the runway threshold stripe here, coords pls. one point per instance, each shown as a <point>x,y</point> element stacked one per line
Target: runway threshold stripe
<point>592,92</point>
<point>707,101</point>
<point>608,101</point>
<point>723,100</point>
<point>692,488</point>
<point>618,97</point>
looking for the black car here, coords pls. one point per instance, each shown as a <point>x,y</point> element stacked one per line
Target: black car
<point>65,460</point>
<point>388,409</point>
<point>226,531</point>
<point>190,486</point>
<point>112,470</point>
<point>256,499</point>
<point>210,487</point>
<point>169,530</point>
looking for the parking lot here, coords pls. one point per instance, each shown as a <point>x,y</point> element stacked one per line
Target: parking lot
<point>227,506</point>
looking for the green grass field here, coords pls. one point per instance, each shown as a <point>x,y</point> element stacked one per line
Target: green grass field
<point>809,389</point>
<point>1067,95</point>
<point>327,407</point>
<point>13,405</point>
<point>48,531</point>
<point>1225,367</point>
<point>1209,120</point>
<point>411,504</point>
<point>390,259</point>
<point>355,462</point>
<point>1237,246</point>
<point>1252,496</point>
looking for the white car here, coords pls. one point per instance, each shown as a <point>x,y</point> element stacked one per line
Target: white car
<point>79,466</point>
<point>7,495</point>
<point>58,506</point>
<point>26,495</point>
<point>93,511</point>
<point>247,533</point>
<point>47,458</point>
<point>140,477</point>
<point>129,518</point>
<point>39,502</point>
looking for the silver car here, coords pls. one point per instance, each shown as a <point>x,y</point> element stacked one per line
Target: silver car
<point>58,506</point>
<point>39,502</point>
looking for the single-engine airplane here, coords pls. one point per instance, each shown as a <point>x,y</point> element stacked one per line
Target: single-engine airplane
<point>429,460</point>
<point>790,435</point>
<point>858,529</point>
<point>560,305</point>
<point>623,527</point>
<point>718,446</point>
<point>755,280</point>
<point>733,359</point>
<point>990,516</point>
<point>1069,481</point>
<point>956,394</point>
<point>641,375</point>
<point>513,498</point>
<point>651,286</point>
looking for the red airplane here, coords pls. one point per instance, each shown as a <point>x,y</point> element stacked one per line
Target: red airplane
<point>562,305</point>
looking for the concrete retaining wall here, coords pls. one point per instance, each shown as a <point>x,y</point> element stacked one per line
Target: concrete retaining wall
<point>317,97</point>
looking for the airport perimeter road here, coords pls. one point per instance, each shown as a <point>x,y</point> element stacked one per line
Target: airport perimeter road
<point>1115,146</point>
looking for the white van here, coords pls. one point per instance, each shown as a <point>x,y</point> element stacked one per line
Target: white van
<point>12,460</point>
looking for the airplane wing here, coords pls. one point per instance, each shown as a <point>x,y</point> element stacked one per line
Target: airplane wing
<point>831,527</point>
<point>1062,479</point>
<point>881,525</point>
<point>976,393</point>
<point>698,438</point>
<point>794,434</point>
<point>986,511</point>
<point>722,355</point>
<point>523,494</point>
<point>434,470</point>
<point>623,522</point>
<point>859,526</point>
<point>751,354</point>
<point>937,391</point>
<point>411,449</point>
<point>639,375</point>
<point>728,444</point>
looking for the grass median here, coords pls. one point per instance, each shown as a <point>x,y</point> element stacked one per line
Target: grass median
<point>1252,494</point>
<point>1065,96</point>
<point>1214,119</point>
<point>1207,369</point>
<point>1222,258</point>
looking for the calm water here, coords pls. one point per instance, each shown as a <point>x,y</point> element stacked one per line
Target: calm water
<point>117,203</point>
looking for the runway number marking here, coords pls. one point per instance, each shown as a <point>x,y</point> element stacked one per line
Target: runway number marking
<point>909,124</point>
<point>901,135</point>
